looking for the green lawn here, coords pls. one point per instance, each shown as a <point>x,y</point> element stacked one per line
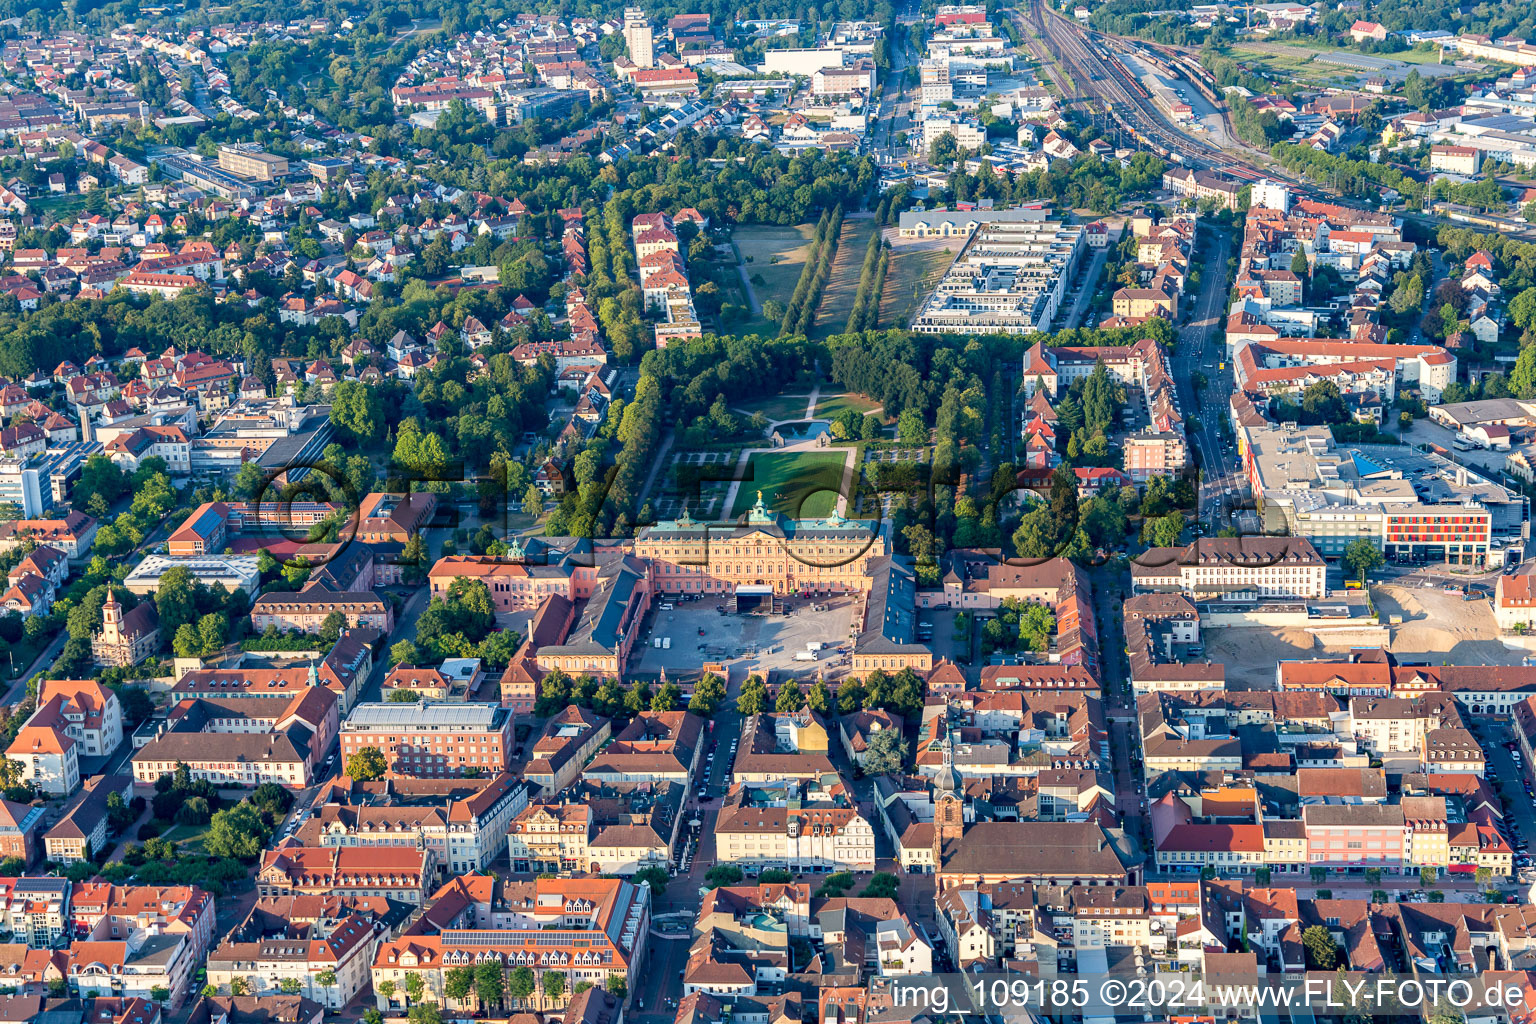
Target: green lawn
<point>189,837</point>
<point>778,407</point>
<point>843,284</point>
<point>828,406</point>
<point>776,255</point>
<point>912,273</point>
<point>804,485</point>
<point>1406,56</point>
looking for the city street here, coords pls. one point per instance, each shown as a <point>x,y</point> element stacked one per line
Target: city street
<point>1199,350</point>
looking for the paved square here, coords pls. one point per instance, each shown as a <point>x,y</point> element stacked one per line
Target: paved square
<point>753,643</point>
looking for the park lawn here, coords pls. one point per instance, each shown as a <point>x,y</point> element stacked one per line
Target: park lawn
<point>778,407</point>
<point>829,406</point>
<point>803,485</point>
<point>1406,56</point>
<point>843,283</point>
<point>912,273</point>
<point>760,244</point>
<point>188,837</point>
<point>734,292</point>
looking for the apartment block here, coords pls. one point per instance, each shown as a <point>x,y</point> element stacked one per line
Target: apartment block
<point>1010,278</point>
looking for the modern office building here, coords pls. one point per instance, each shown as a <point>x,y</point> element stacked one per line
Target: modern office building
<point>432,739</point>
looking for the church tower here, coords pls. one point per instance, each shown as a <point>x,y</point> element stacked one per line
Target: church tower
<point>948,801</point>
<point>111,619</point>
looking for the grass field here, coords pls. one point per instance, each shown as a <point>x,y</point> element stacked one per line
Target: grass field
<point>775,254</point>
<point>1294,59</point>
<point>843,284</point>
<point>778,407</point>
<point>189,837</point>
<point>828,406</point>
<point>803,484</point>
<point>1406,56</point>
<point>911,268</point>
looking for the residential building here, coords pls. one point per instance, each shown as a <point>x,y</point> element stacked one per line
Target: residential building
<point>393,872</point>
<point>536,924</point>
<point>85,829</point>
<point>1010,277</point>
<point>462,822</point>
<point>272,953</point>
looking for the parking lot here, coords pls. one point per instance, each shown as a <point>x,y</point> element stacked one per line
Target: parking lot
<point>1507,775</point>
<point>700,631</point>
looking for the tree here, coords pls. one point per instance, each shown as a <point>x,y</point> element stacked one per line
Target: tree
<point>1522,309</point>
<point>367,764</point>
<point>159,993</point>
<point>790,697</point>
<point>238,986</point>
<point>195,811</point>
<point>836,884</point>
<point>774,876</point>
<point>386,988</point>
<point>414,987</point>
<point>331,627</point>
<point>723,874</point>
<point>1427,876</point>
<point>819,698</point>
<point>708,694</point>
<point>773,310</point>
<point>425,1013</point>
<point>657,877</point>
<point>458,983</point>
<point>1036,624</point>
<point>358,410</point>
<point>753,698</point>
<point>1408,296</point>
<point>186,643</point>
<point>176,598</point>
<point>289,986</point>
<point>239,832</point>
<point>1362,556</point>
<point>1522,379</point>
<point>271,798</point>
<point>1163,532</point>
<point>520,985</point>
<point>667,697</point>
<point>910,428</point>
<point>881,886</point>
<point>616,985</point>
<point>886,753</point>
<point>1321,951</point>
<point>554,985</point>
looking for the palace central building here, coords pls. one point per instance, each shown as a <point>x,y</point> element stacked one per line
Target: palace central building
<point>761,556</point>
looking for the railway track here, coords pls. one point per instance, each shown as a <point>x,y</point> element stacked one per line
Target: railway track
<point>1101,74</point>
